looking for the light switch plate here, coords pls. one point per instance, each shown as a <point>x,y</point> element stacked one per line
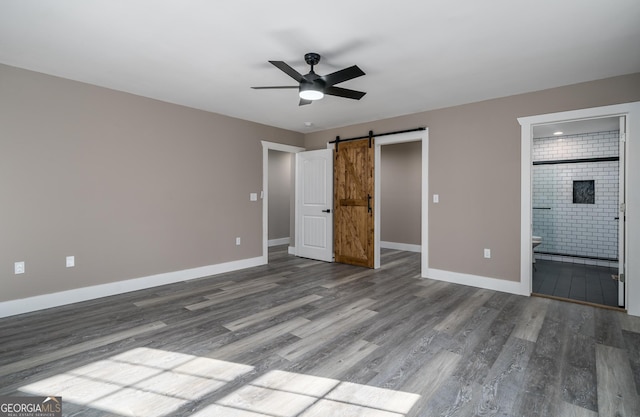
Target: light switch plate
<point>71,261</point>
<point>487,253</point>
<point>436,198</point>
<point>253,196</point>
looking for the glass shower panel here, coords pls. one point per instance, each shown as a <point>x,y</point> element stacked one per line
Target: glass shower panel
<point>544,195</point>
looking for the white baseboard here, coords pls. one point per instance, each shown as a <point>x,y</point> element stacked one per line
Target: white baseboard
<point>513,287</point>
<point>292,250</point>
<point>401,246</point>
<point>41,302</point>
<point>278,242</point>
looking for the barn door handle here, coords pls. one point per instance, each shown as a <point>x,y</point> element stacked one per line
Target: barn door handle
<point>369,203</point>
<point>326,211</point>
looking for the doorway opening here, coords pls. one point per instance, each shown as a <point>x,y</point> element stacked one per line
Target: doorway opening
<point>575,210</point>
<point>400,198</point>
<point>423,138</point>
<point>628,229</point>
<point>277,182</point>
<point>280,199</point>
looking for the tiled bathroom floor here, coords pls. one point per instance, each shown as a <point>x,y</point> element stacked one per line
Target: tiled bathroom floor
<point>577,282</point>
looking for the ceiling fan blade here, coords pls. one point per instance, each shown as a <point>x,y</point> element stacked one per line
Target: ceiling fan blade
<point>304,102</point>
<point>275,86</point>
<point>284,67</point>
<point>344,92</point>
<point>342,75</point>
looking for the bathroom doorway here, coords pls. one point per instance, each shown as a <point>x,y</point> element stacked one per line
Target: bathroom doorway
<point>577,181</point>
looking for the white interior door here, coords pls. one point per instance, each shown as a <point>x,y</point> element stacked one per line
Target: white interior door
<point>622,214</point>
<point>314,202</point>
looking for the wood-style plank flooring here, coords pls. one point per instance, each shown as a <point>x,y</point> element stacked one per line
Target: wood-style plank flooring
<point>304,338</point>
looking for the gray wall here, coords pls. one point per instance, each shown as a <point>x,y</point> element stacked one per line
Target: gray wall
<point>135,187</point>
<point>130,186</point>
<point>400,193</point>
<point>474,165</point>
<point>280,194</point>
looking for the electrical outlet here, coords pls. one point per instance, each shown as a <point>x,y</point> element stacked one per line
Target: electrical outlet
<point>18,268</point>
<point>237,241</point>
<point>71,261</point>
<point>487,253</point>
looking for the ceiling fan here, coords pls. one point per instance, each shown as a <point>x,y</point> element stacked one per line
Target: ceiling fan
<point>313,86</point>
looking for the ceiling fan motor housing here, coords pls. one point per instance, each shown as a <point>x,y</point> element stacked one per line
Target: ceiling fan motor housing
<point>312,58</point>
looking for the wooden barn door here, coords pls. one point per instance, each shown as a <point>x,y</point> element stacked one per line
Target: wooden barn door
<point>353,203</point>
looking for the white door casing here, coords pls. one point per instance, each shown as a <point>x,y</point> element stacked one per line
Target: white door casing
<point>622,212</point>
<point>314,203</point>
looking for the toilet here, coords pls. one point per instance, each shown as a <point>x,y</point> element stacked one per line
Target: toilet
<point>535,241</point>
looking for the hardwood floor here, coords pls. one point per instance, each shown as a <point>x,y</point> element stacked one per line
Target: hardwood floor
<point>305,338</point>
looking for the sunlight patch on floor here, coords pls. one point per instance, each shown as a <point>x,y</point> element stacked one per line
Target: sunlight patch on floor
<point>141,382</point>
<point>287,394</point>
<point>156,383</point>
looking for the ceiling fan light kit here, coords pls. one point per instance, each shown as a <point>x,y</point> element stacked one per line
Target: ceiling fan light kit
<point>309,91</point>
<point>313,87</point>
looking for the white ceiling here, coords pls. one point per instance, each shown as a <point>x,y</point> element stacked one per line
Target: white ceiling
<point>418,55</point>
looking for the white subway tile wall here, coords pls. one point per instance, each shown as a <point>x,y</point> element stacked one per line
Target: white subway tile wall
<point>587,230</point>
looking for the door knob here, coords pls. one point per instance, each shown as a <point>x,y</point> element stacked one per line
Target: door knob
<point>326,211</point>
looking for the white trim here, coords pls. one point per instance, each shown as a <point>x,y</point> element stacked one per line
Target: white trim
<point>41,302</point>
<point>400,246</point>
<point>281,147</point>
<point>632,112</point>
<point>423,136</point>
<point>495,284</point>
<point>526,220</point>
<point>278,242</point>
<point>622,223</point>
<point>266,146</point>
<point>292,250</point>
